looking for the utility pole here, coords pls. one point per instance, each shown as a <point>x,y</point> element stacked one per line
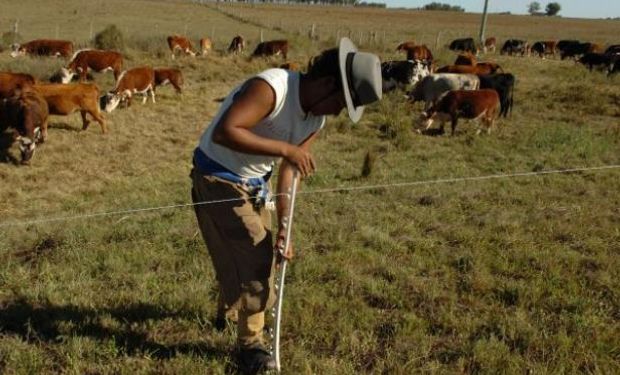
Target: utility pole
<point>484,21</point>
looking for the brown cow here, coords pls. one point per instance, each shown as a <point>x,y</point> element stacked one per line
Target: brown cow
<point>236,45</point>
<point>27,113</point>
<point>544,48</point>
<point>293,66</point>
<point>595,48</point>
<point>64,99</point>
<point>405,46</point>
<point>205,46</point>
<point>94,59</point>
<point>488,68</point>
<point>12,82</point>
<point>476,104</point>
<point>421,53</point>
<point>181,43</point>
<point>137,80</point>
<point>490,44</point>
<point>168,75</point>
<point>44,47</point>
<point>480,68</point>
<point>466,59</point>
<point>271,48</point>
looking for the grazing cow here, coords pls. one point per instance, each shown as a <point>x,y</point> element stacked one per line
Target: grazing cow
<point>433,87</point>
<point>562,44</point>
<point>137,80</point>
<point>97,60</point>
<point>575,50</point>
<point>63,99</point>
<point>293,66</point>
<point>271,48</point>
<point>479,68</point>
<point>402,73</point>
<point>10,83</point>
<point>490,44</point>
<point>477,104</point>
<point>515,46</point>
<point>613,50</point>
<point>236,45</point>
<point>464,45</point>
<point>44,47</point>
<point>27,113</point>
<point>599,60</point>
<point>421,53</point>
<point>181,43</point>
<point>465,59</point>
<point>504,85</point>
<point>205,46</point>
<point>544,48</point>
<point>168,75</point>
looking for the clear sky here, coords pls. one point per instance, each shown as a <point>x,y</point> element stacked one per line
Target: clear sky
<point>570,8</point>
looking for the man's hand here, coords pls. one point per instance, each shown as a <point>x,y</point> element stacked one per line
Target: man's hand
<point>301,159</point>
<point>286,254</point>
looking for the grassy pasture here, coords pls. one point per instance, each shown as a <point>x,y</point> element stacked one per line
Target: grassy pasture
<point>509,275</point>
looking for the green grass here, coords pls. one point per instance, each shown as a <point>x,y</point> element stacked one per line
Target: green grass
<point>496,276</point>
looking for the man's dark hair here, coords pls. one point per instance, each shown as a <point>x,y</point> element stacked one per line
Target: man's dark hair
<point>325,65</point>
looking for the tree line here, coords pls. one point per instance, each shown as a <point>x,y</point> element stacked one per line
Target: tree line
<point>552,9</point>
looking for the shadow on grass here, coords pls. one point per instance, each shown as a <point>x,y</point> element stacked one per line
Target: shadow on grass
<point>63,126</point>
<point>6,140</point>
<point>40,323</point>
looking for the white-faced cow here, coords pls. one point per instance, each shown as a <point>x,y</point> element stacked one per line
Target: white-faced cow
<point>44,47</point>
<point>480,105</point>
<point>93,59</point>
<point>139,80</point>
<point>64,99</point>
<point>431,88</point>
<point>180,43</point>
<point>164,76</point>
<point>27,114</point>
<point>515,46</point>
<point>271,48</point>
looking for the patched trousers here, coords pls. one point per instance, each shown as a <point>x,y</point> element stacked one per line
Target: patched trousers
<point>239,241</point>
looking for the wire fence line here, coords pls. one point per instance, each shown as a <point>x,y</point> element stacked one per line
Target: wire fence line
<point>131,211</point>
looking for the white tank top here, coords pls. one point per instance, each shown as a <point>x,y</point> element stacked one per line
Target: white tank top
<point>287,122</point>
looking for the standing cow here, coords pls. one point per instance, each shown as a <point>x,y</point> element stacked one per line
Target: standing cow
<point>236,45</point>
<point>44,47</point>
<point>464,45</point>
<point>93,59</point>
<point>402,73</point>
<point>172,76</point>
<point>180,43</point>
<point>272,48</point>
<point>139,80</point>
<point>12,83</point>
<point>431,88</point>
<point>503,84</point>
<point>515,46</point>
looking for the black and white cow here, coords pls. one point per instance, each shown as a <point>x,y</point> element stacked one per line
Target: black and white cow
<point>515,46</point>
<point>464,45</point>
<point>403,74</point>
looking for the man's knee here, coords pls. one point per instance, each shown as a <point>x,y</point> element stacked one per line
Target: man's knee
<point>257,296</point>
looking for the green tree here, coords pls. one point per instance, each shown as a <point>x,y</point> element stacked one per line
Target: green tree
<point>553,9</point>
<point>533,7</point>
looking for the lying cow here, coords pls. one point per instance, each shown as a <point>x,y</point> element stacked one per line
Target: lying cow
<point>431,88</point>
<point>271,48</point>
<point>236,45</point>
<point>503,84</point>
<point>137,80</point>
<point>180,43</point>
<point>205,46</point>
<point>599,60</point>
<point>44,47</point>
<point>464,45</point>
<point>480,105</point>
<point>172,76</point>
<point>27,113</point>
<point>515,46</point>
<point>402,73</point>
<point>544,48</point>
<point>93,59</point>
<point>64,99</point>
<point>10,83</point>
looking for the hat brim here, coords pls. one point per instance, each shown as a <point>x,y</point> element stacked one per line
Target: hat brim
<point>346,46</point>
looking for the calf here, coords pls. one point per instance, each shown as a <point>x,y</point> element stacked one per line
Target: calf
<point>180,43</point>
<point>64,99</point>
<point>236,45</point>
<point>503,84</point>
<point>433,87</point>
<point>464,45</point>
<point>599,60</point>
<point>205,46</point>
<point>168,75</point>
<point>137,80</point>
<point>97,60</point>
<point>44,47</point>
<point>515,46</point>
<point>490,44</point>
<point>402,73</point>
<point>10,83</point>
<point>271,48</point>
<point>478,104</point>
<point>27,113</point>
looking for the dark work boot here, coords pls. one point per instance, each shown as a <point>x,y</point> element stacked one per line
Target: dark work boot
<point>254,361</point>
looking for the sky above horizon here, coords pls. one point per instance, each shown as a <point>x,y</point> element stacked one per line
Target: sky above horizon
<point>570,8</point>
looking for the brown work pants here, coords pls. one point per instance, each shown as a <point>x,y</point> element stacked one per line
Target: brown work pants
<point>239,240</point>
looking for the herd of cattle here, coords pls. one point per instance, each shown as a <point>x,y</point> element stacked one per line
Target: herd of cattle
<point>467,89</point>
<point>478,90</point>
